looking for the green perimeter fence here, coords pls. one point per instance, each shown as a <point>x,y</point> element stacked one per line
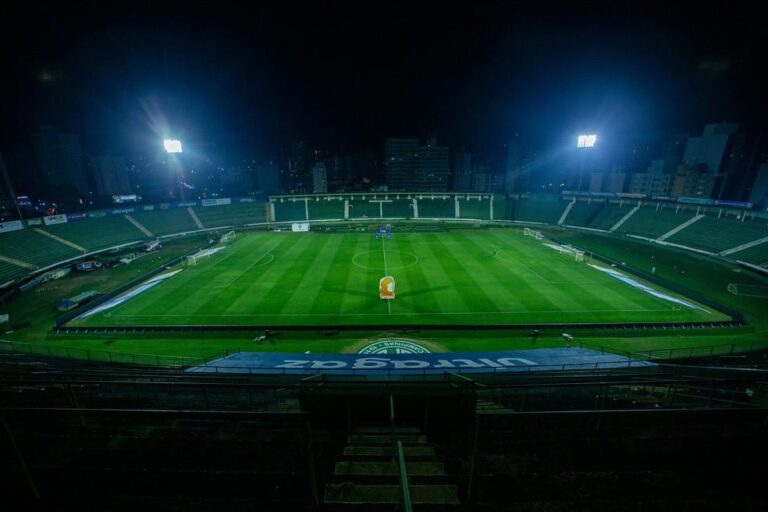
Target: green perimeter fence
<point>683,352</point>
<point>58,351</point>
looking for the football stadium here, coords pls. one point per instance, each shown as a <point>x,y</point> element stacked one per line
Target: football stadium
<point>407,349</point>
<point>400,256</point>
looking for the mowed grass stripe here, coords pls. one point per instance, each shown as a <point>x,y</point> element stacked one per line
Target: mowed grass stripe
<point>312,279</point>
<point>308,290</point>
<point>180,291</point>
<point>579,279</point>
<point>332,287</point>
<point>249,283</point>
<point>361,295</point>
<point>282,277</point>
<point>558,268</point>
<point>523,290</point>
<point>461,274</point>
<point>414,291</point>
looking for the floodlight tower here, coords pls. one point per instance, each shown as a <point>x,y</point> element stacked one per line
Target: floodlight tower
<point>584,143</point>
<point>172,147</point>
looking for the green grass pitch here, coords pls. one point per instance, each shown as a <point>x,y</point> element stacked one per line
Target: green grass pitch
<point>471,276</point>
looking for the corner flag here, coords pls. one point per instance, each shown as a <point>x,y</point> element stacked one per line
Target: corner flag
<point>387,288</point>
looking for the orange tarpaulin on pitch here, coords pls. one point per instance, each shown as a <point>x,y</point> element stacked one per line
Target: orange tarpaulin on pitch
<point>387,288</point>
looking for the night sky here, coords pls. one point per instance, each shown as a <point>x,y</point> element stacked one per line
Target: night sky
<point>347,75</point>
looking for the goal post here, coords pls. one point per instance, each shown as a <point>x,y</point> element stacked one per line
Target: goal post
<point>747,290</point>
<point>190,261</point>
<point>226,237</point>
<point>538,235</point>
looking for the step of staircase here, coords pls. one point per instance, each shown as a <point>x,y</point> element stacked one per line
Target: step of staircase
<point>385,439</point>
<point>386,451</point>
<point>490,407</point>
<point>387,430</point>
<point>349,493</point>
<point>355,468</point>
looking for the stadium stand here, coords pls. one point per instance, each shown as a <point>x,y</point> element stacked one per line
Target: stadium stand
<point>166,222</point>
<point>717,235</point>
<point>436,207</point>
<point>399,208</point>
<point>167,439</point>
<point>546,209</point>
<point>287,210</point>
<point>756,255</point>
<point>9,272</point>
<point>582,213</point>
<point>231,214</point>
<point>100,233</point>
<point>362,208</point>
<point>322,209</point>
<point>34,248</point>
<point>610,214</point>
<point>652,223</point>
<point>475,208</point>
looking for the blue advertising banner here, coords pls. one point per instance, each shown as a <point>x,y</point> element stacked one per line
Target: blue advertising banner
<point>734,204</point>
<point>122,211</point>
<point>556,359</point>
<point>74,217</point>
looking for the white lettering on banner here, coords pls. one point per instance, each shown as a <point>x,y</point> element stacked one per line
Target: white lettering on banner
<point>13,225</point>
<point>54,219</point>
<point>508,361</point>
<point>369,363</point>
<point>468,363</point>
<point>372,363</point>
<point>291,363</point>
<point>411,364</point>
<point>328,364</point>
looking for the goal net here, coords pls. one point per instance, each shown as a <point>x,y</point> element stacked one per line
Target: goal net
<point>226,237</point>
<point>748,290</point>
<point>570,250</point>
<point>190,260</point>
<point>538,235</point>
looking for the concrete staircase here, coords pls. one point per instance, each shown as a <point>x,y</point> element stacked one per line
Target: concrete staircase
<point>565,213</point>
<point>680,227</point>
<point>195,218</point>
<point>624,218</point>
<point>139,225</point>
<point>366,475</point>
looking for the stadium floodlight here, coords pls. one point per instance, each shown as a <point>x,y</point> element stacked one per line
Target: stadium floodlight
<point>172,145</point>
<point>586,141</point>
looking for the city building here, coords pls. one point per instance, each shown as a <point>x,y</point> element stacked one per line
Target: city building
<point>319,178</point>
<point>410,167</point>
<point>758,194</point>
<point>698,182</point>
<point>111,175</point>
<point>709,149</point>
<point>745,153</point>
<point>462,172</point>
<point>614,182</point>
<point>60,160</point>
<point>517,169</point>
<point>654,182</point>
<point>268,178</point>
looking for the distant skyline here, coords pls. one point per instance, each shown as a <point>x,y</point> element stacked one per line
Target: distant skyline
<point>346,76</point>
